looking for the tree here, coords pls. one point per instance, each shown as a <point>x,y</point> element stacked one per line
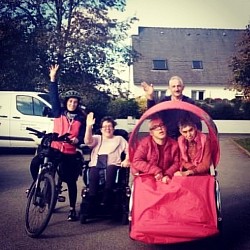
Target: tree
<point>240,65</point>
<point>121,108</point>
<point>77,34</point>
<point>18,64</point>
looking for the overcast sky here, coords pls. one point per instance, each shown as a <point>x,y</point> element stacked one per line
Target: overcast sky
<point>218,14</point>
<point>229,14</point>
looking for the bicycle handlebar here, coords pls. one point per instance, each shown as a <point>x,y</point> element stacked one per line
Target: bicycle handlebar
<point>55,137</point>
<point>39,134</point>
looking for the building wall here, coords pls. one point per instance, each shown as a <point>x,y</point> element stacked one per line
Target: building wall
<point>209,91</point>
<point>180,46</point>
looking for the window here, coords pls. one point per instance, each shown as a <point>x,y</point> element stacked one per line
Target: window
<point>197,65</point>
<point>160,65</point>
<point>197,94</point>
<point>28,105</point>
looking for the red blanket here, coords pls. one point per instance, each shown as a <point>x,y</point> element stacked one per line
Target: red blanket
<point>183,210</point>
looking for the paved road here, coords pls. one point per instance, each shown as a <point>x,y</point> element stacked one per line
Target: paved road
<point>234,176</point>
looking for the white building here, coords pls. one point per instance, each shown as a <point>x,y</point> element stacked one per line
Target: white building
<point>201,57</point>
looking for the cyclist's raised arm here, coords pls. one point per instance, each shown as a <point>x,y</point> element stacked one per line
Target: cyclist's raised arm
<point>53,91</point>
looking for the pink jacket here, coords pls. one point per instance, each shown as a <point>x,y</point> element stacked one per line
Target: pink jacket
<point>147,158</point>
<point>202,159</point>
<point>62,126</point>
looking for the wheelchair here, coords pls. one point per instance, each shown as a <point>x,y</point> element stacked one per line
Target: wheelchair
<point>118,207</point>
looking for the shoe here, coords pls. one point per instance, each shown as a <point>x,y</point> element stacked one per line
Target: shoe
<point>72,215</point>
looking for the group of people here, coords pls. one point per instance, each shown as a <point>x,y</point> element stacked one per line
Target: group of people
<point>174,146</point>
<point>164,157</point>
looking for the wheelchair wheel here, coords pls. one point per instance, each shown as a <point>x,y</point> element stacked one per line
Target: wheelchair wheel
<point>40,205</point>
<point>83,219</point>
<point>84,208</point>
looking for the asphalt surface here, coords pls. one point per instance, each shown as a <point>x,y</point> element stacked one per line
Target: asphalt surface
<point>233,175</point>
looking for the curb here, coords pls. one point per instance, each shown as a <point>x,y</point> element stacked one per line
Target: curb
<point>240,147</point>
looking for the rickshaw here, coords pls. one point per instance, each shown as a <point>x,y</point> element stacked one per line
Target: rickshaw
<point>186,209</point>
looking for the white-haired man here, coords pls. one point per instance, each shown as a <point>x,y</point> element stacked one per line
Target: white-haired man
<point>171,117</point>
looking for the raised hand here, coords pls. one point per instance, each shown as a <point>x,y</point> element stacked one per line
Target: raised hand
<point>90,121</point>
<point>148,89</point>
<point>52,72</point>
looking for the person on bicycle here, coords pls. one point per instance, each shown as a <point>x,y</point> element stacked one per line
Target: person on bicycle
<point>67,119</point>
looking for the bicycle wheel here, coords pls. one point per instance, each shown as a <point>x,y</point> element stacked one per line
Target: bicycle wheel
<point>40,206</point>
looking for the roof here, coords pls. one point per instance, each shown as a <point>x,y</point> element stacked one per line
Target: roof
<point>181,46</point>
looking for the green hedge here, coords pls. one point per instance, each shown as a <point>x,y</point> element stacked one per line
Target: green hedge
<point>223,109</point>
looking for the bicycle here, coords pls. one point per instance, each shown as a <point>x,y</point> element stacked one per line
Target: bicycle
<point>46,189</point>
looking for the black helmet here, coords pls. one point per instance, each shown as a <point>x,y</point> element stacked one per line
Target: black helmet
<point>71,94</point>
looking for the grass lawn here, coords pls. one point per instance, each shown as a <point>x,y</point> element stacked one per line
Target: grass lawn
<point>244,142</point>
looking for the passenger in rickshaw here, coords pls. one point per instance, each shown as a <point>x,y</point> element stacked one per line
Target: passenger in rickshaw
<point>106,154</point>
<point>157,154</point>
<point>195,150</point>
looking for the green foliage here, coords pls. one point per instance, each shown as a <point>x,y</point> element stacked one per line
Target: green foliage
<point>235,109</point>
<point>222,111</point>
<point>121,108</point>
<point>20,57</point>
<point>240,65</point>
<point>142,104</point>
<point>246,110</point>
<point>95,101</point>
<point>245,143</point>
<point>77,34</point>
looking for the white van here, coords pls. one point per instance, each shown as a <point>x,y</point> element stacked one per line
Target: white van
<point>21,109</point>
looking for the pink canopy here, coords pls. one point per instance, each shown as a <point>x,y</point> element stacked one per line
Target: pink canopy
<point>183,210</point>
<point>134,137</point>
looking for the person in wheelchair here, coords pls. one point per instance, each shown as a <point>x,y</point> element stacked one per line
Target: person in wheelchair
<point>106,154</point>
<point>195,149</point>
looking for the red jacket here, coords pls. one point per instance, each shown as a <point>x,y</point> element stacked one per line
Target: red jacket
<point>147,157</point>
<point>61,126</point>
<point>201,161</point>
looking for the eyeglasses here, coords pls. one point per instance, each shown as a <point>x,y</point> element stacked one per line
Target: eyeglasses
<point>157,127</point>
<point>107,126</point>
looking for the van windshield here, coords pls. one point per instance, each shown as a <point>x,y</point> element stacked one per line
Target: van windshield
<point>45,97</point>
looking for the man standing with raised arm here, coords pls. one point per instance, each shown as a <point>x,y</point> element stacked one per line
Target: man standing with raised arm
<point>171,117</point>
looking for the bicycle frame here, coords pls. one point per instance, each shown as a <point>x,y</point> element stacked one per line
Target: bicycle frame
<point>44,191</point>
